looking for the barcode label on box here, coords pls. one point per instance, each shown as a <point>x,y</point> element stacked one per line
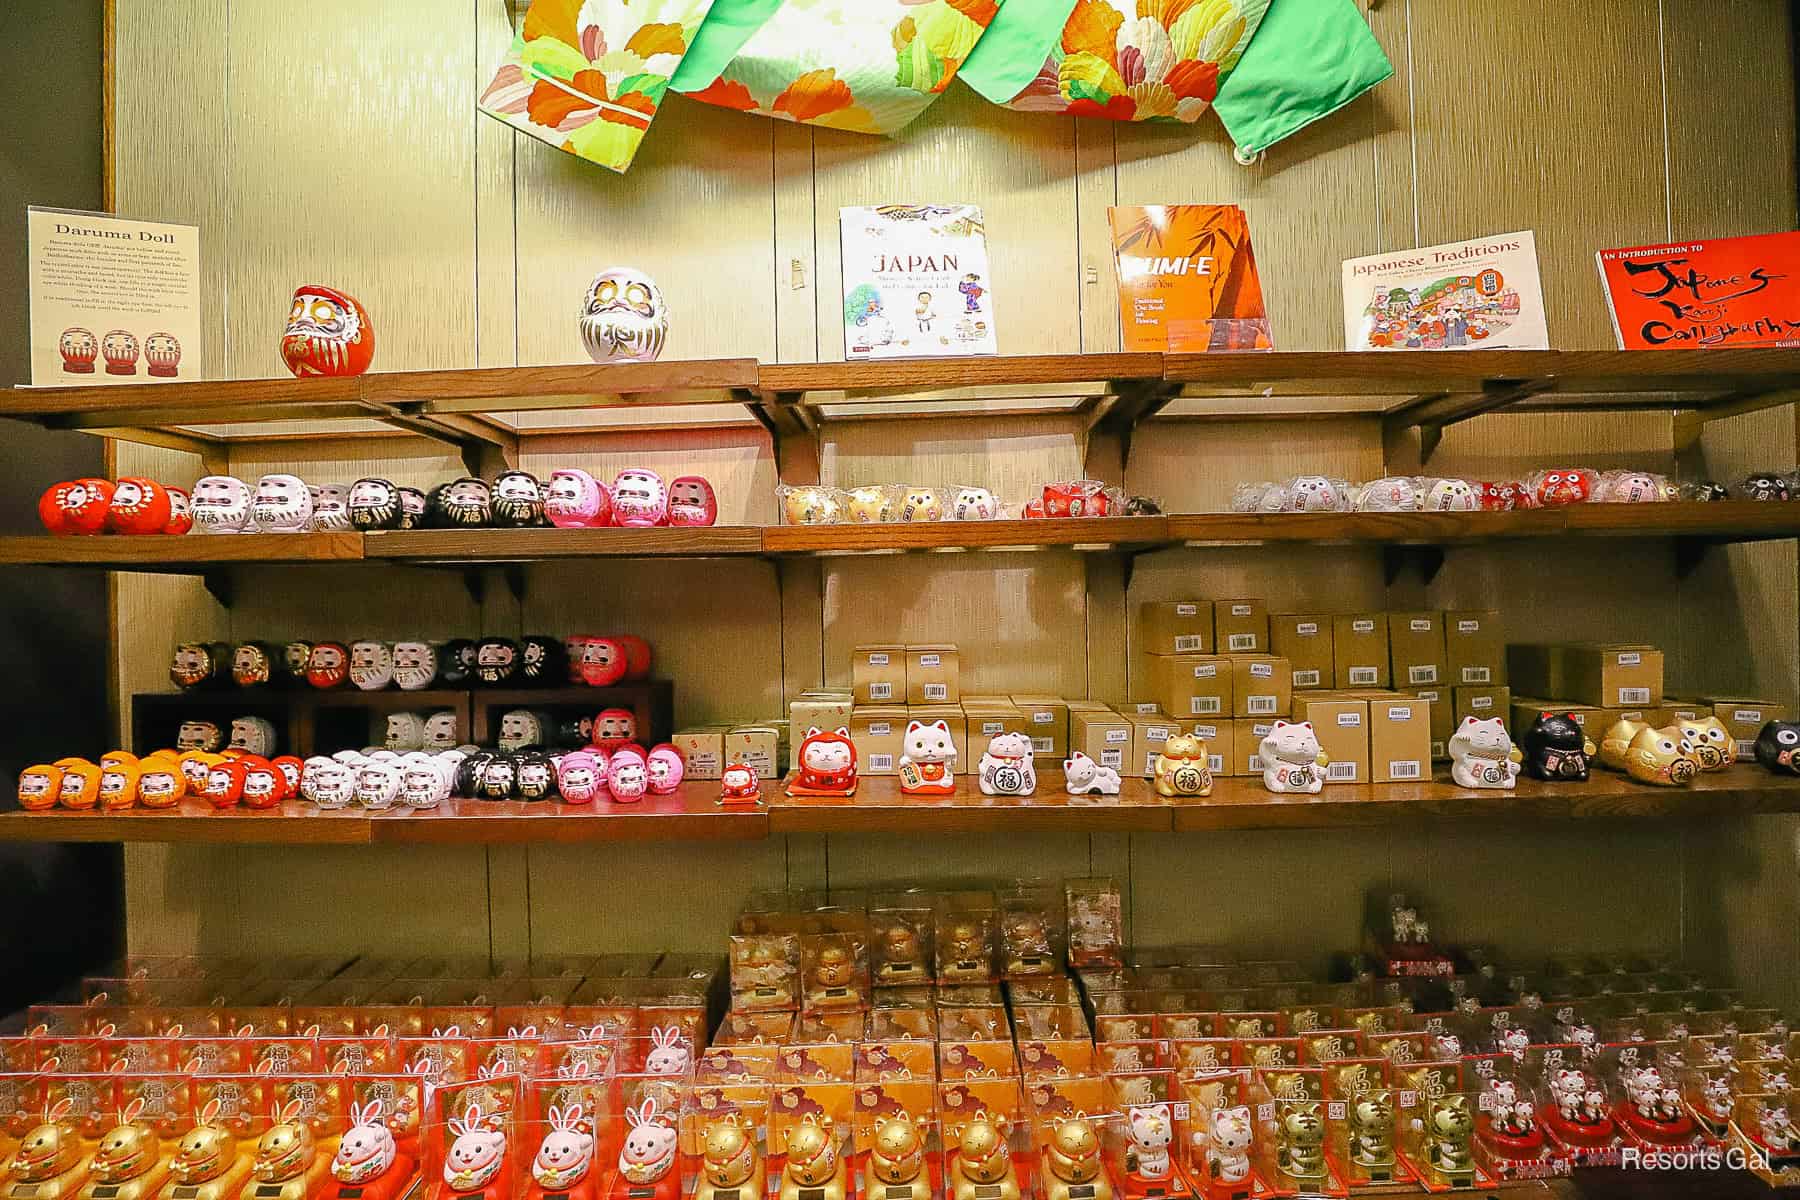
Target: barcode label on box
<point>1042,745</point>
<point>1351,720</point>
<point>1424,674</point>
<point>1477,675</point>
<point>1208,733</point>
<point>1468,627</point>
<point>1256,762</point>
<point>931,660</point>
<point>1150,762</point>
<point>1115,736</point>
<point>1432,696</point>
<point>990,728</point>
<point>1480,702</point>
<point>1363,626</point>
<point>1156,733</point>
<point>1204,706</point>
<point>1041,717</point>
<point>1750,716</point>
<point>881,691</point>
<point>1206,671</point>
<point>1241,641</point>
<point>1262,670</point>
<point>1187,642</point>
<point>1112,758</point>
<point>1408,769</point>
<point>1400,712</point>
<point>1419,625</point>
<point>1303,679</point>
<point>1215,763</point>
<point>1638,695</point>
<point>1306,629</point>
<point>936,691</point>
<point>1580,718</point>
<point>1341,772</point>
<point>1240,610</point>
<point>1364,674</point>
<point>1746,749</point>
<point>1146,706</point>
<point>878,660</point>
<point>1261,706</point>
<point>881,762</point>
<point>1187,610</point>
<point>1631,714</point>
<point>881,728</point>
<point>1630,658</point>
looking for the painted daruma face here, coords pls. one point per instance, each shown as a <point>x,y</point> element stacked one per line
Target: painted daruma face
<point>639,498</point>
<point>221,504</point>
<point>371,665</point>
<point>692,502</point>
<point>518,500</point>
<point>415,665</point>
<point>374,504</point>
<point>79,348</point>
<point>138,506</point>
<point>576,500</point>
<point>120,349</point>
<point>623,317</point>
<point>328,333</point>
<point>461,503</point>
<point>181,517</point>
<point>328,666</point>
<point>283,504</point>
<point>162,354</point>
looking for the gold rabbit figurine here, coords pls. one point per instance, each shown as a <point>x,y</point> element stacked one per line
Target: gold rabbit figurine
<point>49,1163</point>
<point>208,1163</point>
<point>288,1165</point>
<point>129,1162</point>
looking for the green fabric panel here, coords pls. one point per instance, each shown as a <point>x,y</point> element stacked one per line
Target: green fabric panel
<point>728,26</point>
<point>1012,51</point>
<point>1309,59</point>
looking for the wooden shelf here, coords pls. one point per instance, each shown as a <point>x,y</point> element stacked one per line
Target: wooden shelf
<point>1717,521</point>
<point>477,546</point>
<point>1242,803</point>
<point>192,553</point>
<point>693,813</point>
<point>479,409</point>
<point>1097,533</point>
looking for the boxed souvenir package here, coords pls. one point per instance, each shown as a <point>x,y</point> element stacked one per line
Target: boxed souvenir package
<point>1601,675</point>
<point>878,733</point>
<point>1148,733</point>
<point>1361,1094</point>
<point>1047,723</point>
<point>933,674</point>
<point>1305,640</point>
<point>834,968</point>
<point>1510,1138</point>
<point>1416,648</point>
<point>1229,1153</point>
<point>1341,723</point>
<point>1191,685</point>
<point>1096,923</point>
<point>1076,1135</point>
<point>1304,1126</point>
<point>967,927</point>
<point>878,674</point>
<point>1262,686</point>
<point>1241,626</point>
<point>1359,647</point>
<point>1102,735</point>
<point>986,1138</point>
<point>1474,647</point>
<point>901,927</point>
<point>895,1130</point>
<point>1175,627</point>
<point>724,1133</point>
<point>1032,931</point>
<point>1484,704</point>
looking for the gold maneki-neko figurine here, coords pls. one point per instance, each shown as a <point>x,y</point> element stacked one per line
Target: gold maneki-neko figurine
<point>729,1160</point>
<point>1072,1161</point>
<point>815,1165</point>
<point>982,1166</point>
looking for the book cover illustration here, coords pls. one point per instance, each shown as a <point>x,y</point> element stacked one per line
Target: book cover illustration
<point>1482,294</point>
<point>1187,279</point>
<point>916,282</point>
<point>1741,291</point>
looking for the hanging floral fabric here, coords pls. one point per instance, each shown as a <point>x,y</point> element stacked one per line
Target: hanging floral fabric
<point>1127,60</point>
<point>869,66</point>
<point>587,77</point>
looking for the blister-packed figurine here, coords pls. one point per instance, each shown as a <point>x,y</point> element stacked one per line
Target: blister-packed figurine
<point>1482,755</point>
<point>825,764</point>
<point>1292,759</point>
<point>870,504</point>
<point>1630,487</point>
<point>974,504</point>
<point>1183,767</point>
<point>920,504</point>
<point>1006,767</point>
<point>1661,756</point>
<point>220,504</point>
<point>1561,486</point>
<point>1557,749</point>
<point>1451,495</point>
<point>1317,493</point>
<point>811,504</point>
<point>1082,776</point>
<point>1502,495</point>
<point>1762,485</point>
<point>927,762</point>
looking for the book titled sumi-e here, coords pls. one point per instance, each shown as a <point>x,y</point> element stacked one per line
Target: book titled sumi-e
<point>1187,279</point>
<point>916,282</point>
<point>1741,291</point>
<point>1482,294</point>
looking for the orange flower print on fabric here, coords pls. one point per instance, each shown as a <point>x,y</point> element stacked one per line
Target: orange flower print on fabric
<point>726,93</point>
<point>813,95</point>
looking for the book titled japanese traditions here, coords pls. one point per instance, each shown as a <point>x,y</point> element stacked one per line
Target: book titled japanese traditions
<point>1482,294</point>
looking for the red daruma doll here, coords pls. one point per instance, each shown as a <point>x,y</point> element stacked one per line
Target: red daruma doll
<point>328,333</point>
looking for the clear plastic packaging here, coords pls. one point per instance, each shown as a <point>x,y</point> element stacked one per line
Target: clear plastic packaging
<point>1631,487</point>
<point>1558,486</point>
<point>1391,493</point>
<point>811,504</point>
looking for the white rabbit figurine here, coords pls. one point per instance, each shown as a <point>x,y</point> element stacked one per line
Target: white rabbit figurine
<point>649,1149</point>
<point>668,1053</point>
<point>476,1155</point>
<point>367,1147</point>
<point>567,1151</point>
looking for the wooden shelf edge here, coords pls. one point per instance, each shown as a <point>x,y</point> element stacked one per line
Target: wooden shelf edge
<point>879,807</point>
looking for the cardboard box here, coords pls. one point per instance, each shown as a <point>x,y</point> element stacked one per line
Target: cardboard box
<point>1104,737</point>
<point>756,746</point>
<point>1047,721</point>
<point>1613,676</point>
<point>1593,721</point>
<point>1148,733</point>
<point>1484,703</point>
<point>1342,727</point>
<point>933,675</point>
<point>1263,686</point>
<point>988,720</point>
<point>812,712</point>
<point>1191,685</point>
<point>1474,647</point>
<point>954,717</point>
<point>1246,746</point>
<point>1359,650</point>
<point>1416,649</point>
<point>1216,733</point>
<point>1241,626</point>
<point>878,674</point>
<point>1304,639</point>
<point>1745,719</point>
<point>1685,708</point>
<point>1535,668</point>
<point>1399,739</point>
<point>703,746</point>
<point>1443,718</point>
<point>1660,717</point>
<point>1076,706</point>
<point>1175,627</point>
<point>876,732</point>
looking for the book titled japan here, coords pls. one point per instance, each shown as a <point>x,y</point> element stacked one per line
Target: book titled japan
<point>1482,294</point>
<point>1739,291</point>
<point>916,282</point>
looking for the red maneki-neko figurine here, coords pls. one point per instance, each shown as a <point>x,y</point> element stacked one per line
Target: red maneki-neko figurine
<point>827,764</point>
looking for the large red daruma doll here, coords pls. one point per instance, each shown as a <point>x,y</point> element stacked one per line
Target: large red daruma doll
<point>637,655</point>
<point>328,333</point>
<point>76,506</point>
<point>138,506</point>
